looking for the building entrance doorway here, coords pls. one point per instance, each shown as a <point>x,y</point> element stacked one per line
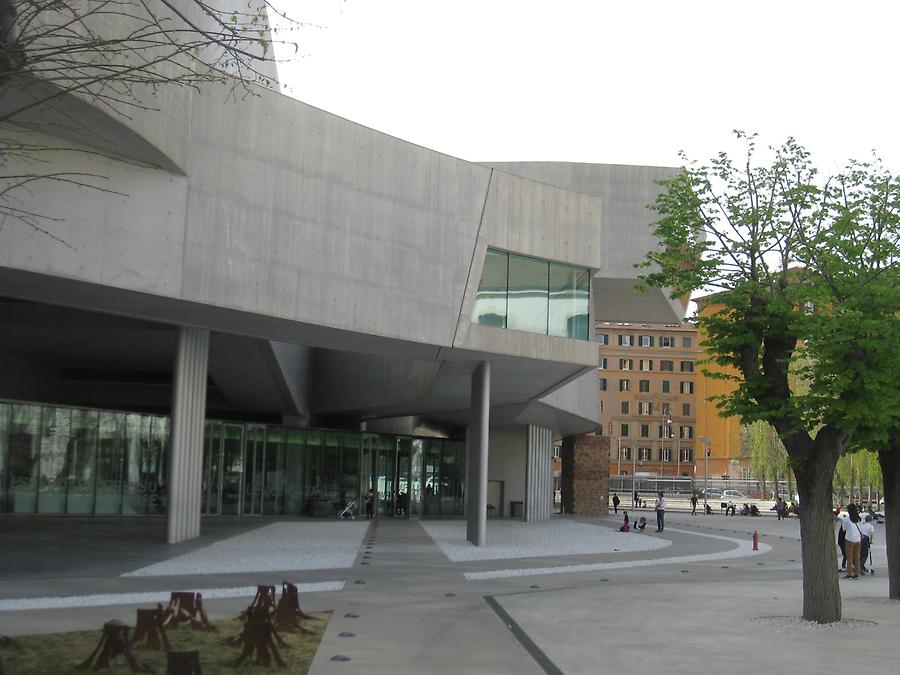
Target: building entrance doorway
<point>391,466</point>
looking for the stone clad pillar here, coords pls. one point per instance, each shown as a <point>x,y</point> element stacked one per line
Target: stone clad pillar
<point>477,455</point>
<point>188,417</point>
<point>538,474</point>
<point>585,475</point>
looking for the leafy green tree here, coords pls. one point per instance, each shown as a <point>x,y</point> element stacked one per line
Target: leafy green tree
<point>889,460</point>
<point>768,458</point>
<point>805,275</point>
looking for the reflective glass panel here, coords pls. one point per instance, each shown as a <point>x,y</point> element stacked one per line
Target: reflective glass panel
<point>82,459</point>
<point>110,463</point>
<point>24,447</point>
<point>4,455</point>
<point>490,302</point>
<point>232,468</point>
<point>350,469</point>
<point>254,456</point>
<point>569,301</point>
<point>527,306</point>
<point>54,446</point>
<point>137,483</point>
<point>431,475</point>
<point>156,460</point>
<point>294,456</point>
<point>212,438</point>
<point>416,483</point>
<point>273,489</point>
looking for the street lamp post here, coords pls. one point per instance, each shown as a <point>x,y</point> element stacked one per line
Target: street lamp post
<point>668,422</point>
<point>706,444</point>
<point>619,456</point>
<point>633,465</point>
<point>678,457</point>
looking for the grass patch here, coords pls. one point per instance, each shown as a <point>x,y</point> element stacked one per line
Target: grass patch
<point>59,653</point>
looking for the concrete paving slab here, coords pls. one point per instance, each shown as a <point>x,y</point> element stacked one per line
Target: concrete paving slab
<point>405,607</point>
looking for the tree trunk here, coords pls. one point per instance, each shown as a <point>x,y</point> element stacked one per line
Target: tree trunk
<point>890,472</point>
<point>821,589</point>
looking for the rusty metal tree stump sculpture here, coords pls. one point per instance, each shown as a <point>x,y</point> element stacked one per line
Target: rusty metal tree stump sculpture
<point>258,637</point>
<point>113,643</point>
<point>186,608</point>
<point>183,663</point>
<point>264,599</point>
<point>288,612</point>
<point>149,629</point>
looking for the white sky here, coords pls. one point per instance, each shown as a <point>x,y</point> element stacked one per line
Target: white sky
<point>608,82</point>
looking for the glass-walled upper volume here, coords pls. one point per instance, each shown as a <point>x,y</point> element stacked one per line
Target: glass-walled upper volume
<point>533,295</point>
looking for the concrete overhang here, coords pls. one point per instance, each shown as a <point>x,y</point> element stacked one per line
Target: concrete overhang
<point>621,300</point>
<point>46,108</point>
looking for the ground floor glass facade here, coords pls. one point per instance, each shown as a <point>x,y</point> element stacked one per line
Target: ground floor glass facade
<point>58,460</point>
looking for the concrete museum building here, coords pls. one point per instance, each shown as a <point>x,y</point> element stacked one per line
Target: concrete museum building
<point>271,309</point>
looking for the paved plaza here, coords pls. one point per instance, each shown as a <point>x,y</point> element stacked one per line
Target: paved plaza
<point>570,596</point>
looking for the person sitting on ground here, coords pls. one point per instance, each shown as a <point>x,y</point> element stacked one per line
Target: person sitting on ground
<point>745,509</point>
<point>640,524</point>
<point>754,510</point>
<point>625,525</point>
<point>708,510</point>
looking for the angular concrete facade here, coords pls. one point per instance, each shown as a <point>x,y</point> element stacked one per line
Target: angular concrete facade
<point>334,269</point>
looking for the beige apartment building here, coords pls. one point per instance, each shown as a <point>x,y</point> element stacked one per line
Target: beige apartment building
<point>647,400</point>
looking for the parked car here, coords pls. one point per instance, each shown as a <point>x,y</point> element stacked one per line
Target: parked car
<point>711,493</point>
<point>733,494</point>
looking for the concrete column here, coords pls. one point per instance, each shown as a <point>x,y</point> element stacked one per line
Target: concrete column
<point>188,416</point>
<point>538,474</point>
<point>477,455</point>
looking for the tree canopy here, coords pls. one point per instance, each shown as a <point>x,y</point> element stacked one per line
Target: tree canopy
<point>803,271</point>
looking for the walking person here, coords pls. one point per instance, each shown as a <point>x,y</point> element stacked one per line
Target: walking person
<point>867,529</point>
<point>660,512</point>
<point>852,541</point>
<point>615,501</point>
<point>636,500</point>
<point>842,544</point>
<point>370,504</point>
<point>694,504</point>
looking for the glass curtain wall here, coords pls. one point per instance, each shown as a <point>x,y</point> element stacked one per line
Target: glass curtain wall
<point>57,460</point>
<point>528,294</point>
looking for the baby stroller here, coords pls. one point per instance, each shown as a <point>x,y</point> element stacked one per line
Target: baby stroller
<point>347,511</point>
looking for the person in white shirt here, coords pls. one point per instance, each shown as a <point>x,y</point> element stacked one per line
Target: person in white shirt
<point>660,513</point>
<point>867,529</point>
<point>852,539</point>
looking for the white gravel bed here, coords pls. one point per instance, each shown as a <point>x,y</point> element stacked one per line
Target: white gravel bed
<point>514,539</point>
<point>743,548</point>
<point>279,546</point>
<point>99,600</point>
<point>801,623</point>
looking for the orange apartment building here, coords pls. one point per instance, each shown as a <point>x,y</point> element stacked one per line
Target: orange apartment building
<point>727,455</point>
<point>648,378</point>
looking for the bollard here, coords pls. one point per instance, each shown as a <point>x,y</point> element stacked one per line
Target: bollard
<point>755,540</point>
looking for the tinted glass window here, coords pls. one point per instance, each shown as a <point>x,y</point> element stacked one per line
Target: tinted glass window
<point>527,304</point>
<point>569,296</point>
<point>490,301</point>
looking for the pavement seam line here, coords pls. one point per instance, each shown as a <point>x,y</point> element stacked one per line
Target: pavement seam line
<point>530,646</point>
